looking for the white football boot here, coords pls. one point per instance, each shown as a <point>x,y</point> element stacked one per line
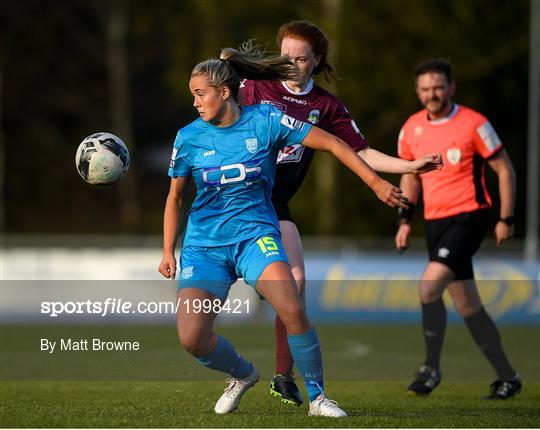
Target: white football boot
<point>230,398</point>
<point>323,407</point>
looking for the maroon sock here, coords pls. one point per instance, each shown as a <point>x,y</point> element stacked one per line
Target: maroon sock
<point>284,360</point>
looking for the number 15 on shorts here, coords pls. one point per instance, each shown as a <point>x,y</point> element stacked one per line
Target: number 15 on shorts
<point>267,244</point>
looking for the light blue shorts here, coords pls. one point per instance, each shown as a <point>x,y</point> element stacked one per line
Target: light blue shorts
<point>215,269</point>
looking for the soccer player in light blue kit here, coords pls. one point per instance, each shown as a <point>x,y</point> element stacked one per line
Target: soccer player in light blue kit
<point>232,229</point>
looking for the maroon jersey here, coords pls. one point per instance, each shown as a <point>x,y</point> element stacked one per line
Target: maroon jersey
<point>314,105</point>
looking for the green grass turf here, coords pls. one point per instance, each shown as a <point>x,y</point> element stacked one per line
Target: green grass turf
<point>190,404</point>
<point>367,369</point>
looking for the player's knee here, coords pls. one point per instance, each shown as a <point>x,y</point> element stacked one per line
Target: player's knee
<point>291,311</point>
<point>467,309</point>
<point>294,317</point>
<point>194,344</point>
<point>428,293</point>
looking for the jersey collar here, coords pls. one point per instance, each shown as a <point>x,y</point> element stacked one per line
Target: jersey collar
<point>452,114</point>
<point>309,87</point>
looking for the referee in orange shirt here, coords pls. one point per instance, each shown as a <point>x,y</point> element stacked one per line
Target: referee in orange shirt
<point>456,205</point>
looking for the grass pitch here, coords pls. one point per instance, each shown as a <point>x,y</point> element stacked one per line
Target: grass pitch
<point>367,369</point>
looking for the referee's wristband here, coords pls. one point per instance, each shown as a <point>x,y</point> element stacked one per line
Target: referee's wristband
<point>509,220</point>
<point>405,215</point>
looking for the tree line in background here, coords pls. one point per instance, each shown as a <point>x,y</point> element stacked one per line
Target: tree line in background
<point>72,68</point>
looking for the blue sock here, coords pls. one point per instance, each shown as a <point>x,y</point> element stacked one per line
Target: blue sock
<point>225,359</point>
<point>306,352</point>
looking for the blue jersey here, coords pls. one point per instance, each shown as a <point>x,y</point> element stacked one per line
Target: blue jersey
<point>234,169</point>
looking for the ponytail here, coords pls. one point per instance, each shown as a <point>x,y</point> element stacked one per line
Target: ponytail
<point>247,62</point>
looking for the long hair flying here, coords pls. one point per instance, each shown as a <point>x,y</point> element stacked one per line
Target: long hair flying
<point>249,61</point>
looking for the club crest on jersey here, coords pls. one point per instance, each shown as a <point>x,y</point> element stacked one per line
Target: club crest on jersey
<point>453,155</point>
<point>252,145</point>
<point>314,116</point>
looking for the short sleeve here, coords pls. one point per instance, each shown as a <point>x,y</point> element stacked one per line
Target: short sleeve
<point>404,149</point>
<point>485,140</point>
<point>344,127</point>
<point>247,92</point>
<point>179,165</point>
<point>285,129</point>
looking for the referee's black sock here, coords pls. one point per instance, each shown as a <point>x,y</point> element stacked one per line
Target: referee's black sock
<point>487,337</point>
<point>434,325</point>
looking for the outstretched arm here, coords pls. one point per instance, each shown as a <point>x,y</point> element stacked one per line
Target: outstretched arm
<point>173,205</point>
<point>320,140</point>
<point>502,166</point>
<point>382,162</point>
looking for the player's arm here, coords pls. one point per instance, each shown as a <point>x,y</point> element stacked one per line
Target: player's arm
<point>171,216</point>
<point>411,185</point>
<point>322,141</point>
<point>382,162</point>
<point>502,166</point>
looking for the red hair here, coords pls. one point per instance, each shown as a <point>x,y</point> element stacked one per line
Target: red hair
<point>305,30</point>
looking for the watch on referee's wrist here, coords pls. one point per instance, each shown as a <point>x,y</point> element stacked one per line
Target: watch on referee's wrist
<point>509,220</point>
<point>405,215</point>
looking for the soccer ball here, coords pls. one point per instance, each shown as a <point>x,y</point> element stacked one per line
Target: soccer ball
<point>102,159</point>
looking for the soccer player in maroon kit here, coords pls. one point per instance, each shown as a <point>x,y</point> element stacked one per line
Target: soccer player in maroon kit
<point>302,99</point>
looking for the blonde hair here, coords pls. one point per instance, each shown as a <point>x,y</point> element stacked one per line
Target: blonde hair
<point>249,61</point>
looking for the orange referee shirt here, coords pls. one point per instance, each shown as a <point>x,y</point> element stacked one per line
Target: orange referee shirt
<point>465,139</point>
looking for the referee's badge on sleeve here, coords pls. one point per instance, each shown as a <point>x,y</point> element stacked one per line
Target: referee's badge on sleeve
<point>453,155</point>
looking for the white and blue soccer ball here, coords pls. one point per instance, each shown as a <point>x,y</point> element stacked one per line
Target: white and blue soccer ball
<point>102,159</point>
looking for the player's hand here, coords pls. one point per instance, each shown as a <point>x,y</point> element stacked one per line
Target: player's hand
<point>402,237</point>
<point>427,163</point>
<point>392,196</point>
<point>167,267</point>
<point>503,232</point>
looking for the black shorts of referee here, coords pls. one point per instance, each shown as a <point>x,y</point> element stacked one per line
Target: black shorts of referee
<point>454,240</point>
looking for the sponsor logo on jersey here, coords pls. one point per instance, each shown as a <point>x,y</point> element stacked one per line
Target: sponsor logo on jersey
<point>290,122</point>
<point>291,154</point>
<point>252,145</point>
<point>443,252</point>
<point>208,153</point>
<point>282,107</point>
<point>232,174</point>
<point>187,272</point>
<point>297,101</point>
<point>173,157</point>
<point>314,116</point>
<point>356,129</point>
<point>453,155</point>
